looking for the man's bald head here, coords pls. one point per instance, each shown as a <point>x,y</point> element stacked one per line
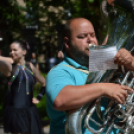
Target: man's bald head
<point>71,23</point>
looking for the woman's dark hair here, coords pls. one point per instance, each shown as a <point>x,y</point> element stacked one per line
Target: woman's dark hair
<point>23,44</point>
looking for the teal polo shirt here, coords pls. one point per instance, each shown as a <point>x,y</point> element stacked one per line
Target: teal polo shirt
<point>59,77</point>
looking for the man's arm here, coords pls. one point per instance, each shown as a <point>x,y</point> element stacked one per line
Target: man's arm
<point>71,97</point>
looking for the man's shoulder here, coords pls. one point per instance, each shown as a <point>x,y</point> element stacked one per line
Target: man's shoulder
<point>61,69</point>
<point>63,65</point>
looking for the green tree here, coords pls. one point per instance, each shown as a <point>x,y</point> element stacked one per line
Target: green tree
<point>49,16</point>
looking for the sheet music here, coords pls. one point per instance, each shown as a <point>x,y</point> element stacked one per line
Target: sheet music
<point>102,58</point>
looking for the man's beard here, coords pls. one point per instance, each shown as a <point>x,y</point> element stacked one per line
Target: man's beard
<point>80,57</point>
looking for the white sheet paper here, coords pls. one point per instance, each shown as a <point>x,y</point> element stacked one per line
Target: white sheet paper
<point>102,58</point>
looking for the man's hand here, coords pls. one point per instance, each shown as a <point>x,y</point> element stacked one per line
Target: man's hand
<point>124,57</point>
<point>116,91</point>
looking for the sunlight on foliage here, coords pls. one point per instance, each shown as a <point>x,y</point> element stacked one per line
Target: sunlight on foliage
<point>91,1</point>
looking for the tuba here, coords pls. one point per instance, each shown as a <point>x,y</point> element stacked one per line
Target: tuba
<point>120,16</point>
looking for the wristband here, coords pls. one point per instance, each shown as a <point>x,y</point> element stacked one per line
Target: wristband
<point>41,94</point>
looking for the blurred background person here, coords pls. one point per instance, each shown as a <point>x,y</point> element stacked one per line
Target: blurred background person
<point>51,61</point>
<point>21,115</point>
<point>34,60</point>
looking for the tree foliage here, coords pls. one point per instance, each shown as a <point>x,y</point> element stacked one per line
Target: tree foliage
<point>49,16</point>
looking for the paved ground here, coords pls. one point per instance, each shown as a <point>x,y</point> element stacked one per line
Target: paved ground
<point>1,131</point>
<point>45,130</point>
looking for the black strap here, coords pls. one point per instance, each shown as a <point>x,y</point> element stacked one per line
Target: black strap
<point>41,94</point>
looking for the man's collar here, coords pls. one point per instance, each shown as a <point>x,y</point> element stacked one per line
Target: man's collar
<point>72,62</point>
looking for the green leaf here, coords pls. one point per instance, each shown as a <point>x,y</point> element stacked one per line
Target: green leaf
<point>91,1</point>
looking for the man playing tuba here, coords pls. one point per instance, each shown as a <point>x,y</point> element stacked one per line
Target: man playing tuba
<point>66,89</point>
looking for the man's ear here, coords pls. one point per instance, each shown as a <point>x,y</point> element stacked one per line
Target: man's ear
<point>66,42</point>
